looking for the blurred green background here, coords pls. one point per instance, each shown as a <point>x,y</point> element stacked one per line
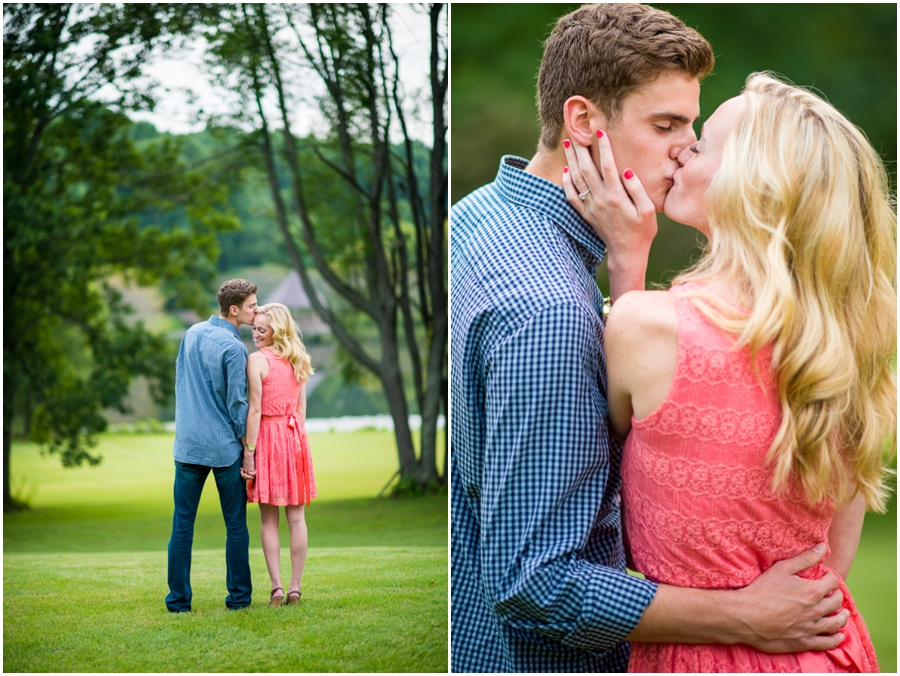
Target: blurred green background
<point>846,52</point>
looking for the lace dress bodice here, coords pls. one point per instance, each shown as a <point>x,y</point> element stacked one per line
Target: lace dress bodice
<point>699,504</point>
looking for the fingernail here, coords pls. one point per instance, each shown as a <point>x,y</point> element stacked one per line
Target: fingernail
<point>629,173</point>
<point>599,134</point>
<point>565,144</point>
<point>565,170</point>
<point>819,548</point>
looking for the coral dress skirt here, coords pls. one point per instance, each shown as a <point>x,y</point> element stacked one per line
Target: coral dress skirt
<point>284,471</point>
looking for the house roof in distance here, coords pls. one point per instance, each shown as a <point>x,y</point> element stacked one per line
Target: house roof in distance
<point>292,294</point>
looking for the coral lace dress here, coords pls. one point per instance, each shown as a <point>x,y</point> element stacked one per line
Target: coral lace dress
<point>284,472</point>
<point>698,503</point>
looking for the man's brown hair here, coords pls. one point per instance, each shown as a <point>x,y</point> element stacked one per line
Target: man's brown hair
<point>234,292</point>
<point>606,52</point>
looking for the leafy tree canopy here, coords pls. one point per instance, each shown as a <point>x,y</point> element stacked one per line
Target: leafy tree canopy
<point>82,203</point>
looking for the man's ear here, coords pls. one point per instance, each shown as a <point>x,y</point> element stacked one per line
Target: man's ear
<point>582,120</point>
<point>233,311</point>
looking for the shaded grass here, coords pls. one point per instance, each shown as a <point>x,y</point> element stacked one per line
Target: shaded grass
<point>361,522</point>
<point>85,571</point>
<point>363,609</point>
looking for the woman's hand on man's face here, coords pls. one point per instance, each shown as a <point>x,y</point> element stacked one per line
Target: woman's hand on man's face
<point>616,207</point>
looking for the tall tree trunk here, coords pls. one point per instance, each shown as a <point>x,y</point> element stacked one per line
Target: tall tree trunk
<point>358,86</point>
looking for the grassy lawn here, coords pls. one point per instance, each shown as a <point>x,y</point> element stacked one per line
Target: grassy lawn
<point>85,571</point>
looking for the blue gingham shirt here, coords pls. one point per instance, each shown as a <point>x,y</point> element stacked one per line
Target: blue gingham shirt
<point>538,579</point>
<point>210,394</point>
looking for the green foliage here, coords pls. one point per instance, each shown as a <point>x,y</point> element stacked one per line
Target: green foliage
<point>341,398</point>
<point>82,203</point>
<point>368,216</point>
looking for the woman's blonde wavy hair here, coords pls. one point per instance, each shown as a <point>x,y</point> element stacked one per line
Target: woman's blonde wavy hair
<point>286,339</point>
<point>803,227</point>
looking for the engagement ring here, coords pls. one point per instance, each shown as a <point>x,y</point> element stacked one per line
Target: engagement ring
<point>584,194</point>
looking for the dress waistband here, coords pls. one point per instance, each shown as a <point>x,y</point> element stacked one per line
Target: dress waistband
<point>293,420</point>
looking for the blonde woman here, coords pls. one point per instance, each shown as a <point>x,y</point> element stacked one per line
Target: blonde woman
<point>755,396</point>
<point>280,470</point>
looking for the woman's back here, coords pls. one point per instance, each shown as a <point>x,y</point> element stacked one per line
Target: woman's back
<point>698,498</point>
<point>280,387</point>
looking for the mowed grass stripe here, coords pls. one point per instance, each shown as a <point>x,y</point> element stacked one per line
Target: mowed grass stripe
<point>363,609</point>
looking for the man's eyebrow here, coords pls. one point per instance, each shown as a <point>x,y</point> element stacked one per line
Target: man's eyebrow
<point>675,117</point>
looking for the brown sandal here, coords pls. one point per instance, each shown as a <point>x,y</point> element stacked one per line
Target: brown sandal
<point>275,601</point>
<point>291,601</point>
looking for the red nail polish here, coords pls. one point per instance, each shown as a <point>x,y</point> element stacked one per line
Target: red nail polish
<point>599,134</point>
<point>565,144</point>
<point>629,173</point>
<point>565,170</point>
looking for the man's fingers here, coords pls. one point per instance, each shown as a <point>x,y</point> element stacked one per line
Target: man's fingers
<point>828,583</point>
<point>830,604</point>
<point>805,560</point>
<point>832,623</point>
<point>821,643</point>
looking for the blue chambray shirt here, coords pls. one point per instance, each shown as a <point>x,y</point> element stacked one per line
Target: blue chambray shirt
<point>210,394</point>
<point>538,579</point>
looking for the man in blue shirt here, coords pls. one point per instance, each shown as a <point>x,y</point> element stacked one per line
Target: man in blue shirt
<point>538,579</point>
<point>210,422</point>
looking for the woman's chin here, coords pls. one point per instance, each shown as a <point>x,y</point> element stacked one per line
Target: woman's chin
<point>673,215</point>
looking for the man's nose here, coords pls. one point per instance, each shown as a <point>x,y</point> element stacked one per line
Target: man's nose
<point>683,157</point>
<point>683,143</point>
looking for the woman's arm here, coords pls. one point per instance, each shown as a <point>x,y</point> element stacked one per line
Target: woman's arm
<point>257,369</point>
<point>843,536</point>
<point>301,403</point>
<point>641,347</point>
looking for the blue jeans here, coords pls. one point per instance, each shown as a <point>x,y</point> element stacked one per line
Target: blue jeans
<point>189,480</point>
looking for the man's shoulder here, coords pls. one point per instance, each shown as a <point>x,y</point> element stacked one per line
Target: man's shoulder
<point>208,331</point>
<point>482,204</point>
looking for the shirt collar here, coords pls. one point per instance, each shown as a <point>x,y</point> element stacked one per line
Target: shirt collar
<point>221,323</point>
<point>548,198</point>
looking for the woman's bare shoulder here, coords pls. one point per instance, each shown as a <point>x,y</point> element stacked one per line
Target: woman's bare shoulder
<point>257,363</point>
<point>642,348</point>
<point>644,314</point>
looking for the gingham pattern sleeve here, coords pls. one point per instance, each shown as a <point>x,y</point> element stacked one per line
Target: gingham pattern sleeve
<point>546,469</point>
<point>235,382</point>
<point>538,581</point>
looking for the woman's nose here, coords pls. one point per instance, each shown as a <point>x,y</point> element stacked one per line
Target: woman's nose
<point>684,156</point>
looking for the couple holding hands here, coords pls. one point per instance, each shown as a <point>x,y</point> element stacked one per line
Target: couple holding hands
<point>243,419</point>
